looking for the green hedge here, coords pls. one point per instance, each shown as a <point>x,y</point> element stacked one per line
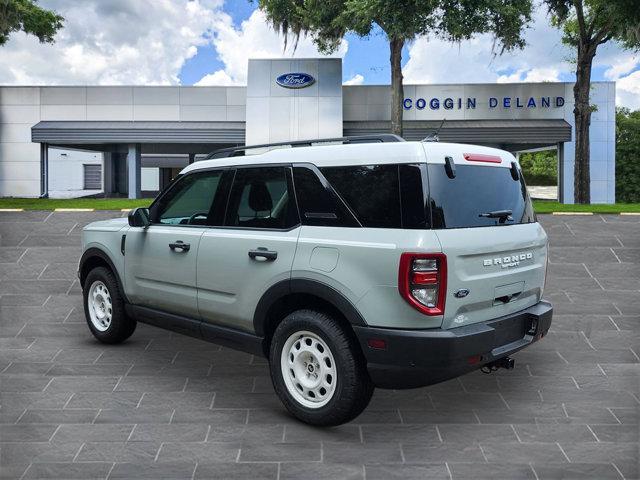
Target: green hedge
<point>627,156</point>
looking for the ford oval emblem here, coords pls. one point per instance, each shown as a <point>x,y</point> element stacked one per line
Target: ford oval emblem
<point>295,80</point>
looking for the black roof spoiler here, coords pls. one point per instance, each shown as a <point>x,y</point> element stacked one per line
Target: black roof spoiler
<point>240,151</point>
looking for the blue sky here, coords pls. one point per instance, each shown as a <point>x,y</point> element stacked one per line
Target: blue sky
<point>367,56</point>
<point>208,42</point>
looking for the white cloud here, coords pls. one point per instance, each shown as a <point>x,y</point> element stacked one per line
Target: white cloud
<point>621,69</point>
<point>149,41</point>
<point>357,79</point>
<point>143,42</point>
<point>544,58</point>
<point>255,38</point>
<point>628,91</point>
<point>432,60</point>
<point>531,75</point>
<point>114,42</point>
<point>219,77</point>
<point>622,65</point>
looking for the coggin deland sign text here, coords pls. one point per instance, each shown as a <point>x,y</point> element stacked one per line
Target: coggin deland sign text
<point>301,80</point>
<point>469,103</point>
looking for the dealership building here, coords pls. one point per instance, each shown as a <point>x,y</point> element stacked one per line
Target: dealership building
<point>131,140</point>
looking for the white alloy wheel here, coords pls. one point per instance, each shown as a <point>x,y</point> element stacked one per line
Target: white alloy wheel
<point>308,369</point>
<point>100,307</point>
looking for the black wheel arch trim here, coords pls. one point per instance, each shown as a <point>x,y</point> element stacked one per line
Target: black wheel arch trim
<point>97,252</point>
<point>306,286</point>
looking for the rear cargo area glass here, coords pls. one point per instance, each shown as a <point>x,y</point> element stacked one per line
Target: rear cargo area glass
<point>459,202</point>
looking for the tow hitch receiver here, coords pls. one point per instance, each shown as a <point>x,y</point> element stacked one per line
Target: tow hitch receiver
<point>507,363</point>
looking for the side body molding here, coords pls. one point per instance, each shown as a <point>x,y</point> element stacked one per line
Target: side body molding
<point>304,286</point>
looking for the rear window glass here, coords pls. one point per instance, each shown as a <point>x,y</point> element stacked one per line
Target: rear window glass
<point>372,192</point>
<point>475,192</point>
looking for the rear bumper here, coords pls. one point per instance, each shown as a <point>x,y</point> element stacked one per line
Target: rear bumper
<point>415,358</point>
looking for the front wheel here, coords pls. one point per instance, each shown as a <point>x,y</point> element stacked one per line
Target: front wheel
<point>317,370</point>
<point>104,307</point>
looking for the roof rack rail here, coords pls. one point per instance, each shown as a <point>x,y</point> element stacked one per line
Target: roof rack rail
<point>240,151</point>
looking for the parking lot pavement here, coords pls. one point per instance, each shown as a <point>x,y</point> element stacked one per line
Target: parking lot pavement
<point>168,406</point>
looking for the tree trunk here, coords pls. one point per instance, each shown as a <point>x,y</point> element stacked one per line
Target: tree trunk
<point>582,114</point>
<point>397,89</point>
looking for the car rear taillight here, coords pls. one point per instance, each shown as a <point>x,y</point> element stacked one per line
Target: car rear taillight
<point>422,281</point>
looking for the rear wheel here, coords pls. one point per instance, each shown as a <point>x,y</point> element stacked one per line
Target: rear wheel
<point>317,369</point>
<point>104,307</point>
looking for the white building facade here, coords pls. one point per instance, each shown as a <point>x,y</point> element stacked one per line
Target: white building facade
<point>51,138</point>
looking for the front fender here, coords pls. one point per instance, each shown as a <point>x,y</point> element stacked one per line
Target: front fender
<point>98,251</point>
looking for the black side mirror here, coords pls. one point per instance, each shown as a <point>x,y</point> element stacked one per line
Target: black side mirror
<point>139,217</point>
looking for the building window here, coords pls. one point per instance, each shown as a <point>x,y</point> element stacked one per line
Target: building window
<point>92,177</point>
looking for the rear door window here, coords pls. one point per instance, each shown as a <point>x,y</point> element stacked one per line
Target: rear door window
<point>260,199</point>
<point>475,191</point>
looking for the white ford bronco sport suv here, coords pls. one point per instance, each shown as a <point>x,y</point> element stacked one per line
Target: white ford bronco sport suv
<point>352,264</point>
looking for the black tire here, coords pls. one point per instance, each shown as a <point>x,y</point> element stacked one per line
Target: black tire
<point>121,326</point>
<point>353,388</point>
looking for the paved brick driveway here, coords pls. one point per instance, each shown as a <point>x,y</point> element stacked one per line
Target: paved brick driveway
<point>163,405</point>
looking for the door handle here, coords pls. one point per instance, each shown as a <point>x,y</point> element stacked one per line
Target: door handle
<point>261,252</point>
<point>179,246</point>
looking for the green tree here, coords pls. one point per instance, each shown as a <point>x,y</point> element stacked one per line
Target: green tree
<point>327,21</point>
<point>540,168</point>
<point>627,155</point>
<point>28,17</point>
<point>587,24</point>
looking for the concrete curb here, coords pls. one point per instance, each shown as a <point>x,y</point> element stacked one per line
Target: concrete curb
<point>572,213</point>
<point>11,209</point>
<point>74,210</point>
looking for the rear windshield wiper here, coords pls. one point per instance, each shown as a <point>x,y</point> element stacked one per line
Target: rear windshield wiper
<point>502,215</point>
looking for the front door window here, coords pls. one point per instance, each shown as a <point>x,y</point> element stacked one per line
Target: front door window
<point>190,201</point>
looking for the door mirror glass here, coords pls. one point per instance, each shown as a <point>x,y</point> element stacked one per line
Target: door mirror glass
<point>139,217</point>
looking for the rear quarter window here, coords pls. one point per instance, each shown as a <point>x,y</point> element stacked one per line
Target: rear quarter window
<point>318,204</point>
<point>372,192</point>
<point>459,202</point>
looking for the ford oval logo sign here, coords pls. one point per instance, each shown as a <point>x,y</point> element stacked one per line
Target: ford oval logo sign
<point>295,80</point>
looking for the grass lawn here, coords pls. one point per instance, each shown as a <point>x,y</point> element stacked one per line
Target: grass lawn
<point>546,206</point>
<point>541,206</point>
<point>95,203</point>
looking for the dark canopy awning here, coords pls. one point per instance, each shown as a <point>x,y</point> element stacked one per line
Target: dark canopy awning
<point>500,132</point>
<point>67,133</point>
<point>504,132</point>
